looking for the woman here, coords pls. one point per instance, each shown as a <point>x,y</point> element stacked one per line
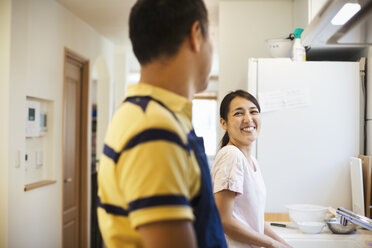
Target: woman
<point>238,186</point>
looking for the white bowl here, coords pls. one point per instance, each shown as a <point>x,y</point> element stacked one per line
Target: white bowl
<point>311,227</point>
<point>307,213</point>
<point>279,48</point>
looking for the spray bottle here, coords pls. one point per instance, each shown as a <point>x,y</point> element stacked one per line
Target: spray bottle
<point>298,51</point>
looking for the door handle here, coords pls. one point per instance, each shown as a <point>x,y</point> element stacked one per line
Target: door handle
<point>68,180</point>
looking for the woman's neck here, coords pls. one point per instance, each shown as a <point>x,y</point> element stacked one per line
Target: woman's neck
<point>245,149</point>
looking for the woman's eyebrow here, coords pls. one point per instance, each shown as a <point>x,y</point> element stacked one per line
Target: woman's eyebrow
<point>238,108</point>
<point>241,108</point>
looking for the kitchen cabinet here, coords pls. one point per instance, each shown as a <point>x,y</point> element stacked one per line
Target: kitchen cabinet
<point>305,10</point>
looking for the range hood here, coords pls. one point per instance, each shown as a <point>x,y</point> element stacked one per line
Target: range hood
<point>354,32</point>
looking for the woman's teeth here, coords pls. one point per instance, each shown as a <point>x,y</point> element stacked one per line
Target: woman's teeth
<point>248,129</point>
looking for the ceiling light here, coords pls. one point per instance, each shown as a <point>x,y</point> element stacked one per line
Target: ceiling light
<point>346,12</point>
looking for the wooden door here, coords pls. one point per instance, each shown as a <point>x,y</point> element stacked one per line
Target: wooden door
<point>71,154</point>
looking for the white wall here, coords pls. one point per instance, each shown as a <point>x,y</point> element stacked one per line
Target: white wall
<point>5,20</point>
<point>120,72</point>
<point>243,28</point>
<point>301,13</point>
<point>39,32</point>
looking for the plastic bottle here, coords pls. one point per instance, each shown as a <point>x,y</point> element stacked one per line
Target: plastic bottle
<point>298,51</point>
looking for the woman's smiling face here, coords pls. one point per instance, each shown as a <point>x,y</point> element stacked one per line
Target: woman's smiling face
<point>243,122</point>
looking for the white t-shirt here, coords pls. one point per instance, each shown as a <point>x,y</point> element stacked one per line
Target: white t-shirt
<point>231,170</point>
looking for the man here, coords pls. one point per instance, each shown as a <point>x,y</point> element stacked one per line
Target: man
<point>154,181</point>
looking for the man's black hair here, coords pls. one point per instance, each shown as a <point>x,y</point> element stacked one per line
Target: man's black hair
<point>157,28</point>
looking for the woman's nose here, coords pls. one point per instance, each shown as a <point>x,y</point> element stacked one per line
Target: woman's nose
<point>248,117</point>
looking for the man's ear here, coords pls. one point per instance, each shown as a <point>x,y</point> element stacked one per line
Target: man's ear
<point>196,36</point>
<point>223,124</point>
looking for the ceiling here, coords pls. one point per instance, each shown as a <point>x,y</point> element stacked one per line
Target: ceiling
<point>110,17</point>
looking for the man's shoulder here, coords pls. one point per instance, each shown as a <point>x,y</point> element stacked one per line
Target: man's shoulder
<point>130,120</point>
<point>131,113</point>
<point>154,114</point>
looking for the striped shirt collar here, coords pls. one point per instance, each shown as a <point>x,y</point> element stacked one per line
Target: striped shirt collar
<point>173,101</point>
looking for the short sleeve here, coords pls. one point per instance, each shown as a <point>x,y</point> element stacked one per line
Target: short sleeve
<point>228,170</point>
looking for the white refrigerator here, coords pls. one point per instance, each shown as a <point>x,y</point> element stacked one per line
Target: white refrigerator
<point>312,123</point>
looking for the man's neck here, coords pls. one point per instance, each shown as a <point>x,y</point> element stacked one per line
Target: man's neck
<point>172,74</point>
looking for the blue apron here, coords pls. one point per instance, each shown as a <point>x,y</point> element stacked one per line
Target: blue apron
<point>207,224</point>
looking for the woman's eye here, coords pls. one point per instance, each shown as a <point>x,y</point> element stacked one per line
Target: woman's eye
<point>238,113</point>
<point>254,112</point>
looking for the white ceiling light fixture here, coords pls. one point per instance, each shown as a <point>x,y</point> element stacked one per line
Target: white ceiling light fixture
<point>346,13</point>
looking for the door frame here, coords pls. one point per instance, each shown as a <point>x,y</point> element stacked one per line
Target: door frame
<point>83,187</point>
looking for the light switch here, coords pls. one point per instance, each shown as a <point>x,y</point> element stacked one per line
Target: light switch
<point>39,158</point>
<point>17,161</point>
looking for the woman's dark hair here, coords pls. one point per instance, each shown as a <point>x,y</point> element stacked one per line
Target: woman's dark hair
<point>225,107</point>
<point>157,28</point>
